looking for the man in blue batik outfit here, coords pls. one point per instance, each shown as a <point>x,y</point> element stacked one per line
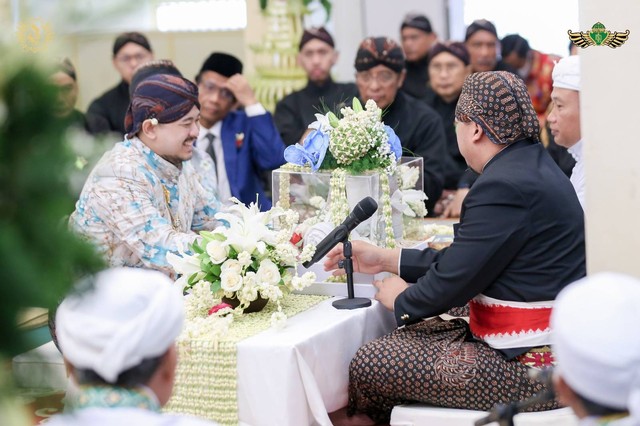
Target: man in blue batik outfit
<point>144,198</point>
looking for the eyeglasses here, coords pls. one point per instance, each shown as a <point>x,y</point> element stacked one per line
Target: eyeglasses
<point>209,88</point>
<point>447,67</point>
<point>383,78</point>
<point>138,57</point>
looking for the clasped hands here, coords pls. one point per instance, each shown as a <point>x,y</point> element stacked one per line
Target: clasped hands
<point>369,259</point>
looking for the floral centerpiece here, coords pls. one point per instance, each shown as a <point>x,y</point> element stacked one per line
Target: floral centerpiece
<point>358,143</point>
<point>239,263</point>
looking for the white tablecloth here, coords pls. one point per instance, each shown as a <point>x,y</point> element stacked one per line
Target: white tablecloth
<point>297,375</point>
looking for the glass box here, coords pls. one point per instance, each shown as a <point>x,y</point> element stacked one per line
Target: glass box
<point>308,193</point>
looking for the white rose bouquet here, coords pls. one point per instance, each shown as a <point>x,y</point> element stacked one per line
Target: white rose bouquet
<point>243,262</point>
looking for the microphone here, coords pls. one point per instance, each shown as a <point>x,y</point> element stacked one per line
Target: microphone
<point>542,375</point>
<point>361,212</point>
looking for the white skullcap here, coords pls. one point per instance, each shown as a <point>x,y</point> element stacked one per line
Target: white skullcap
<point>566,73</point>
<point>128,315</point>
<point>596,339</point>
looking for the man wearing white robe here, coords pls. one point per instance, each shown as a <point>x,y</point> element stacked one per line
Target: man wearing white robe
<point>564,119</point>
<point>117,337</point>
<point>596,342</point>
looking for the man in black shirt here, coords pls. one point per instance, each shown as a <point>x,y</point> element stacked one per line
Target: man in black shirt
<point>296,111</point>
<point>448,68</point>
<point>379,75</point>
<point>417,38</point>
<point>106,113</point>
<point>482,42</point>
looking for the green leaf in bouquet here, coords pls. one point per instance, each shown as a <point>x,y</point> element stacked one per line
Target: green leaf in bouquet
<point>215,269</point>
<point>333,120</point>
<point>193,279</point>
<point>216,286</point>
<point>212,236</point>
<point>255,264</point>
<point>233,254</point>
<point>357,106</point>
<point>196,247</point>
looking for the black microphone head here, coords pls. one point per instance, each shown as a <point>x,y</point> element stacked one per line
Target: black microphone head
<point>542,375</point>
<point>365,209</point>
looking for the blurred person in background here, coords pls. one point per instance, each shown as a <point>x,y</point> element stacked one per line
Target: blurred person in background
<point>380,73</point>
<point>417,37</point>
<point>117,334</point>
<point>535,69</point>
<point>106,113</point>
<point>236,131</point>
<point>448,67</point>
<point>483,44</point>
<point>65,78</point>
<point>317,55</point>
<point>598,349</point>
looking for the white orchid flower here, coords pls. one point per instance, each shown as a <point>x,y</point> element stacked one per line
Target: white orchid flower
<point>321,123</point>
<point>248,230</point>
<point>185,264</point>
<point>409,202</point>
<point>408,176</point>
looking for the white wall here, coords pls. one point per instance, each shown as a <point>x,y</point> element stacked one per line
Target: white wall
<point>609,116</point>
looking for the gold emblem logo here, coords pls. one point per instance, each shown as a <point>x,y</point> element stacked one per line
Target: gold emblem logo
<point>35,35</point>
<point>598,36</point>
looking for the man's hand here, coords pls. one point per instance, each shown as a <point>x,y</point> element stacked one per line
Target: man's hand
<point>366,257</point>
<point>389,289</point>
<point>239,86</point>
<point>455,206</point>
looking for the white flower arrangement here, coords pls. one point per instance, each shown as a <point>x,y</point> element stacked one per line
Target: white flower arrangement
<point>407,176</point>
<point>360,132</point>
<point>241,262</point>
<point>357,143</point>
<point>406,199</point>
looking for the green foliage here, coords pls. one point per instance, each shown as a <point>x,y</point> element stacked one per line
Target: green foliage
<point>41,258</point>
<point>326,4</point>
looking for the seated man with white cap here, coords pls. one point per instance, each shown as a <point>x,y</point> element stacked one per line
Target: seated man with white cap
<point>596,341</point>
<point>564,119</point>
<point>117,336</point>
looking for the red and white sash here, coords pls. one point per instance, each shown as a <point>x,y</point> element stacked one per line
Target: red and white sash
<point>504,324</point>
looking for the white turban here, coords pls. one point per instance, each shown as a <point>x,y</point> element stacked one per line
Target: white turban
<point>596,335</point>
<point>566,73</point>
<point>127,315</point>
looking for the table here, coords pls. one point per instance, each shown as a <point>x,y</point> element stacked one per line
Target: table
<point>297,375</point>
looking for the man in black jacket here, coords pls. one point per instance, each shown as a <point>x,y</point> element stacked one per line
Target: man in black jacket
<point>317,55</point>
<point>380,72</point>
<point>417,38</point>
<point>482,41</point>
<point>106,113</point>
<point>519,242</point>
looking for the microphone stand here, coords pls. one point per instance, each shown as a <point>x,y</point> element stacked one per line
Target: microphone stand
<point>503,413</point>
<point>350,302</point>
